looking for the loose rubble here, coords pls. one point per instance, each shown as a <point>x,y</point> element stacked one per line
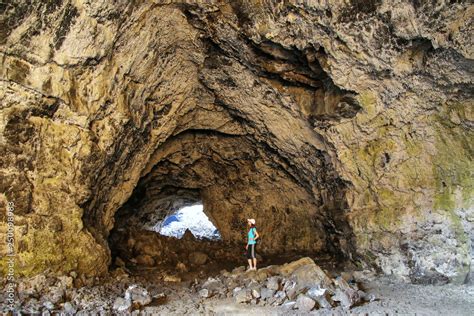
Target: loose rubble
<point>298,287</point>
<point>301,285</point>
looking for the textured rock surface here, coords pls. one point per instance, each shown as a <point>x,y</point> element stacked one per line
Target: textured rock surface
<point>341,126</point>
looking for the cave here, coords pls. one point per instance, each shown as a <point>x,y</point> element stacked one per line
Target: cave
<point>234,179</point>
<point>344,128</point>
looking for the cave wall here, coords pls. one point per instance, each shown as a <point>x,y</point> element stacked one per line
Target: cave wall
<point>356,115</point>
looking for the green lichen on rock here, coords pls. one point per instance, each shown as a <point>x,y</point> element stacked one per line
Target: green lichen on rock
<point>453,171</point>
<point>453,166</point>
<point>368,102</point>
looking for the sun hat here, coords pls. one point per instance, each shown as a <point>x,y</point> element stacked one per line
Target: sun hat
<point>251,221</point>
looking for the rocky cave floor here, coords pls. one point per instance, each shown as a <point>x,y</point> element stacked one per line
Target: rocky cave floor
<point>203,286</point>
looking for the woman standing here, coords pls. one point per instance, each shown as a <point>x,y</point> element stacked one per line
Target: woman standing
<point>252,236</point>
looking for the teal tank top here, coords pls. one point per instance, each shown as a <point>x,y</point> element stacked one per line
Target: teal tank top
<point>251,236</point>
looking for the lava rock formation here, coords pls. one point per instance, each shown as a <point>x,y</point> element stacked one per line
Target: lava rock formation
<point>340,126</point>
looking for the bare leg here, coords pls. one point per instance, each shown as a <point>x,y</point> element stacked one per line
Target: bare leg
<point>250,263</point>
<point>255,263</point>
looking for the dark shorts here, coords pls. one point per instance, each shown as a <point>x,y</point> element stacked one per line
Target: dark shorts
<point>251,252</point>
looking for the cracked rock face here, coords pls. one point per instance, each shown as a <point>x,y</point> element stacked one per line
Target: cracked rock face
<point>340,126</point>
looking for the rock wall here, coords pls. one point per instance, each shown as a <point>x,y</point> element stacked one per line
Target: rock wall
<point>341,126</point>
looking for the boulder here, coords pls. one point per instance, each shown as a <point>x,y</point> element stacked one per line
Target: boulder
<point>307,274</point>
<point>290,267</point>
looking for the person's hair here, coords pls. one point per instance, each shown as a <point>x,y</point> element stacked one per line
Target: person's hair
<point>252,225</point>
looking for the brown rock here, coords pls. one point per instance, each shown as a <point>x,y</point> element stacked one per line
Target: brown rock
<point>145,260</point>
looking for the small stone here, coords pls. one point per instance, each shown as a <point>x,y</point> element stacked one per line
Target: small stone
<point>347,276</point>
<point>234,291</point>
<point>119,262</point>
<point>122,305</point>
<point>273,283</point>
<point>315,292</point>
<point>69,308</point>
<point>365,275</point>
<point>255,293</point>
<point>66,281</point>
<point>280,297</point>
<point>211,283</point>
<point>305,303</point>
<point>55,294</point>
<point>138,295</point>
<point>343,298</point>
<point>324,301</point>
<point>289,305</point>
<point>181,267</point>
<point>266,293</point>
<point>49,305</point>
<point>198,258</point>
<point>145,260</point>
<point>171,278</point>
<point>204,293</point>
<point>290,289</point>
<point>342,283</point>
<point>242,296</point>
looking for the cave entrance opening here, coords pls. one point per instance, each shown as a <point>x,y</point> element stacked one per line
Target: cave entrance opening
<point>168,229</point>
<point>190,218</point>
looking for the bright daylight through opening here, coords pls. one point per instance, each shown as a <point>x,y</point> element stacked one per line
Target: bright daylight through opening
<point>189,217</point>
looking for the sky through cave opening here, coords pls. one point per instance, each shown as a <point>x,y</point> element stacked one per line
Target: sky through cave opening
<point>188,217</point>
